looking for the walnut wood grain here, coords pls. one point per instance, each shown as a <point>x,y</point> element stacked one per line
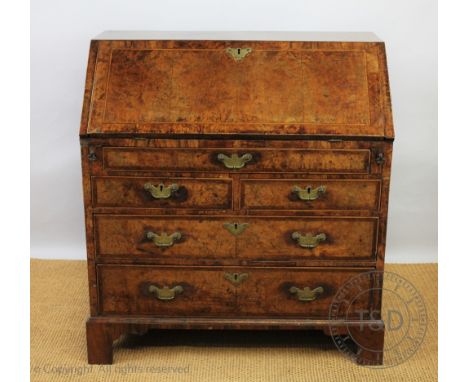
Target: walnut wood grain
<point>338,195</point>
<point>122,236</point>
<point>191,193</point>
<point>271,238</point>
<point>207,292</point>
<point>310,113</point>
<point>264,238</point>
<point>312,88</point>
<point>124,290</point>
<point>264,160</point>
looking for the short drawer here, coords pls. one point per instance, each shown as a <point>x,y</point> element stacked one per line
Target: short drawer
<point>344,161</point>
<point>310,195</point>
<point>203,291</point>
<point>247,238</point>
<point>142,192</point>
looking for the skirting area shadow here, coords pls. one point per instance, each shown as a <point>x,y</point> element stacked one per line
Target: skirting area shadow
<point>228,338</point>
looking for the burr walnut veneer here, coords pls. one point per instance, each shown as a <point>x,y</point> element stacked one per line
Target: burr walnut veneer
<point>234,183</point>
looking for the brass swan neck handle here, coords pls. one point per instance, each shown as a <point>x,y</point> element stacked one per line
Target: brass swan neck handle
<point>165,293</point>
<point>163,239</point>
<point>234,161</point>
<point>308,240</point>
<point>306,294</point>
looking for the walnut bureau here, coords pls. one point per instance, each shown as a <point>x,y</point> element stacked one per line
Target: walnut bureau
<point>234,181</point>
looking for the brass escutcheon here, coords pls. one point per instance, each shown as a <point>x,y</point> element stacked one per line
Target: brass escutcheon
<point>309,193</point>
<point>308,240</point>
<point>161,191</point>
<point>163,240</point>
<point>238,54</point>
<point>236,228</point>
<point>306,294</point>
<point>236,278</point>
<point>165,293</point>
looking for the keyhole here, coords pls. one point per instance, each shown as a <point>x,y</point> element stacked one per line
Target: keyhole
<point>238,51</point>
<point>236,276</point>
<point>161,187</point>
<point>235,225</point>
<point>309,189</point>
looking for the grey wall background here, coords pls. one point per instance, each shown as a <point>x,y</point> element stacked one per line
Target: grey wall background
<point>60,34</point>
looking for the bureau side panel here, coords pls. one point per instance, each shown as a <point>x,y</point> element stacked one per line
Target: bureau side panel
<point>382,239</point>
<point>90,248</point>
<point>384,203</point>
<point>92,57</point>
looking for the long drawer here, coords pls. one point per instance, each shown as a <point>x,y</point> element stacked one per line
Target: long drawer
<point>209,291</point>
<point>261,238</point>
<point>343,161</point>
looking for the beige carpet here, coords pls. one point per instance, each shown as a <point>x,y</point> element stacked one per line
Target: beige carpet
<point>59,308</point>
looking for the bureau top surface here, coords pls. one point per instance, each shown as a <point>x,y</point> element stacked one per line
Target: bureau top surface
<point>239,36</point>
<point>269,84</point>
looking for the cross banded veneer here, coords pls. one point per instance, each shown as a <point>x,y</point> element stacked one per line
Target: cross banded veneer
<point>234,183</point>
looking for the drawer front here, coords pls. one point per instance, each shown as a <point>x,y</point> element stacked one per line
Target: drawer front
<point>164,291</point>
<point>297,292</point>
<point>162,237</point>
<point>162,192</point>
<point>239,160</point>
<point>291,194</point>
<point>308,239</point>
<point>237,237</point>
<point>202,291</point>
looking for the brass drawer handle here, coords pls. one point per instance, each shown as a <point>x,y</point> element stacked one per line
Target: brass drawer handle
<point>234,161</point>
<point>163,240</point>
<point>236,278</point>
<point>308,240</point>
<point>165,293</point>
<point>161,191</point>
<point>306,294</point>
<point>236,228</point>
<point>309,193</point>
